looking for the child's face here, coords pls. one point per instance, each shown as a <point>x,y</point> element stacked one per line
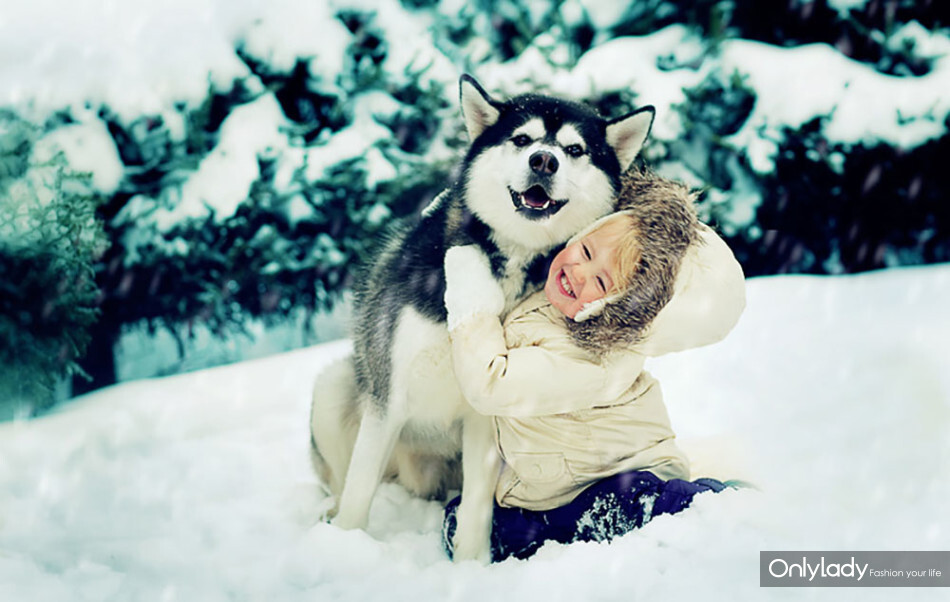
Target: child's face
<point>585,270</point>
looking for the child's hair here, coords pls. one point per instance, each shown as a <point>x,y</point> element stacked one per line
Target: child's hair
<point>627,253</point>
<point>663,225</point>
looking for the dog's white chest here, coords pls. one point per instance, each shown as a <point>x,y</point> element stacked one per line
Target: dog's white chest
<point>422,367</point>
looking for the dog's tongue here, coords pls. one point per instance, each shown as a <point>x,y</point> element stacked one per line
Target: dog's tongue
<point>535,197</point>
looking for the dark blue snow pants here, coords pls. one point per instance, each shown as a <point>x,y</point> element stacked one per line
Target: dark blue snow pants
<point>607,509</point>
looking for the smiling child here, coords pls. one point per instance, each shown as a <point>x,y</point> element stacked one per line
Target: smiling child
<point>587,447</point>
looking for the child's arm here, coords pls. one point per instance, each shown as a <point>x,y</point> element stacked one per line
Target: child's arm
<point>523,381</point>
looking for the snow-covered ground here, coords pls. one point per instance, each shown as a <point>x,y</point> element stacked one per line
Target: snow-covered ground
<point>832,395</point>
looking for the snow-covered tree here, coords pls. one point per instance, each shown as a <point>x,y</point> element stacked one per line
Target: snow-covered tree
<point>327,122</point>
<point>49,241</point>
<point>259,202</point>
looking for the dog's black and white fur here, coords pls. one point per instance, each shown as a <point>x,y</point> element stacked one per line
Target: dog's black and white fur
<point>538,170</point>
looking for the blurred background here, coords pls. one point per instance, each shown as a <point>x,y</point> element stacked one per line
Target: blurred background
<point>184,184</point>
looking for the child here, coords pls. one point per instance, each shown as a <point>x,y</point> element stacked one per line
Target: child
<point>587,448</point>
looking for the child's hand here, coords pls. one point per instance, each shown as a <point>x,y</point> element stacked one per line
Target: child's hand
<point>470,286</point>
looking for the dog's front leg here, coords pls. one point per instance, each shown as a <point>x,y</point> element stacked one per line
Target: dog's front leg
<point>374,445</point>
<point>480,464</point>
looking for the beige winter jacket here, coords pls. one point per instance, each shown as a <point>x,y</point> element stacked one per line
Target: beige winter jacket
<point>564,417</point>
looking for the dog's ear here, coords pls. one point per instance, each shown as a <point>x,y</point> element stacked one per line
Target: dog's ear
<point>627,134</point>
<point>478,108</point>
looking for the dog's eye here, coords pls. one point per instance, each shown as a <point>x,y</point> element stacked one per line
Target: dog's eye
<point>521,140</point>
<point>574,150</point>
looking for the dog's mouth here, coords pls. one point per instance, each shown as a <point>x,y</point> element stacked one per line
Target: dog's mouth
<point>535,203</point>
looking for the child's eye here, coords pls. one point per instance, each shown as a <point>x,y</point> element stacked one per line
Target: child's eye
<point>521,140</point>
<point>601,284</point>
<point>574,150</point>
<point>586,251</point>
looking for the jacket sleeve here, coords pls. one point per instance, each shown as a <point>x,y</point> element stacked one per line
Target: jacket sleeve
<point>552,377</point>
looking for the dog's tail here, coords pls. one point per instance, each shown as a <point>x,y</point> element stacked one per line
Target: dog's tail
<point>334,423</point>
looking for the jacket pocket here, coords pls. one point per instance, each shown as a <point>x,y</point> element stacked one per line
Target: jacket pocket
<point>539,467</point>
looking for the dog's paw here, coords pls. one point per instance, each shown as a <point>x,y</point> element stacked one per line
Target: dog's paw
<point>470,286</point>
<point>326,509</point>
<point>471,548</point>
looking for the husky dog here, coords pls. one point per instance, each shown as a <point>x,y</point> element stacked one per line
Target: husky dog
<point>538,170</point>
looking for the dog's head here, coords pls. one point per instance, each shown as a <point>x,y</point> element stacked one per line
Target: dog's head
<point>539,167</point>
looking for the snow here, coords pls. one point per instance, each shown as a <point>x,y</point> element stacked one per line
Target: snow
<point>411,47</point>
<point>56,54</point>
<point>603,13</point>
<point>663,89</point>
<point>355,141</point>
<point>224,178</point>
<point>360,139</point>
<point>87,148</point>
<point>792,86</point>
<point>289,30</point>
<point>795,85</point>
<point>844,6</point>
<point>924,42</point>
<point>832,396</point>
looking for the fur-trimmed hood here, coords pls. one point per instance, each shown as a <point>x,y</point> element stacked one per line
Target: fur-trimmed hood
<point>688,289</point>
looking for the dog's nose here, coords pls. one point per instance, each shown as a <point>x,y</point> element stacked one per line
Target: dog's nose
<point>543,163</point>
